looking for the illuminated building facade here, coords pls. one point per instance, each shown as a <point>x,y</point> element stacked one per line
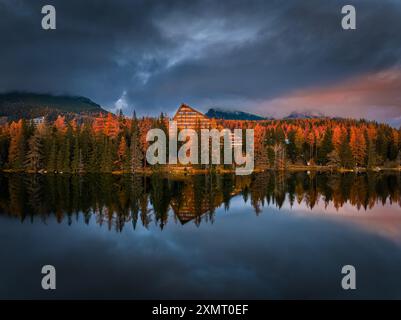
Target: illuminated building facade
<point>189,118</point>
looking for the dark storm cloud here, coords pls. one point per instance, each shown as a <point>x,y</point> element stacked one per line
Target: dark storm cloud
<point>162,53</point>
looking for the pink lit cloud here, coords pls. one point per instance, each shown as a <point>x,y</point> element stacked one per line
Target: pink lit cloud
<point>374,96</point>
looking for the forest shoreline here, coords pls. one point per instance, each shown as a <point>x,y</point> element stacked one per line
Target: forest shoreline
<point>187,171</point>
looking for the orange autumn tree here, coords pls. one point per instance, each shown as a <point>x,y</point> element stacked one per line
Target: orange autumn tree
<point>111,127</point>
<point>358,145</point>
<point>17,149</point>
<point>60,125</point>
<point>123,155</point>
<point>337,136</point>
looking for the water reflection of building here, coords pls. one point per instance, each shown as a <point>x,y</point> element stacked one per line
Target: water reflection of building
<point>198,199</point>
<point>189,118</point>
<point>192,204</point>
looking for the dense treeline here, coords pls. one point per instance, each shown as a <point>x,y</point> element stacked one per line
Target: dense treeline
<point>103,145</point>
<point>116,143</point>
<point>115,200</point>
<point>342,143</point>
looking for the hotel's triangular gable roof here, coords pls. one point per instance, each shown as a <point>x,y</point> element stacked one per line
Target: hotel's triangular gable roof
<point>182,106</point>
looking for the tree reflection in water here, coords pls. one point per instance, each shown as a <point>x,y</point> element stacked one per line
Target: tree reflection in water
<point>116,200</point>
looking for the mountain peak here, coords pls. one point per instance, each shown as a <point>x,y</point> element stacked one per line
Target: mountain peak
<point>219,113</point>
<point>305,115</point>
<point>15,105</point>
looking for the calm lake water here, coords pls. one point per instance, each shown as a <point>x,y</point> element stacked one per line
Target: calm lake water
<point>266,236</point>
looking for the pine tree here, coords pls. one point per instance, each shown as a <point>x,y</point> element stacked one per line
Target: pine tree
<point>67,156</point>
<point>291,146</point>
<point>358,146</point>
<point>347,159</point>
<point>81,166</point>
<point>17,147</point>
<point>311,139</point>
<point>126,165</point>
<point>371,155</point>
<point>338,133</point>
<point>35,157</point>
<point>122,153</point>
<point>52,158</point>
<point>381,145</point>
<point>299,141</point>
<point>106,164</point>
<point>325,148</point>
<point>76,157</point>
<point>4,147</point>
<point>85,139</point>
<point>136,152</point>
<point>279,156</point>
<point>93,159</point>
<point>60,160</point>
<point>333,158</point>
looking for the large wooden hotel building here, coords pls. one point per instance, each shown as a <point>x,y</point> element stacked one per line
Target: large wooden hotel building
<point>189,118</point>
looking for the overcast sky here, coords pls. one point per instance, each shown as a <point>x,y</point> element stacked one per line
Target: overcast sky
<point>267,57</point>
